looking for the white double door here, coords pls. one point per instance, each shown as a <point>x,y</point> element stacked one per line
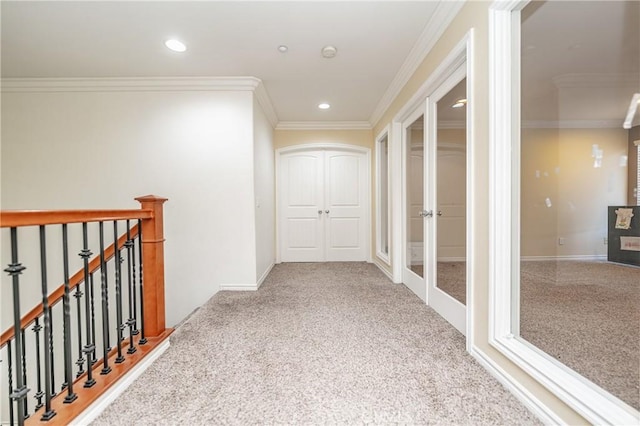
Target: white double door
<point>323,202</point>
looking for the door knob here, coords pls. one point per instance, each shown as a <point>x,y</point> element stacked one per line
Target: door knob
<point>319,211</point>
<point>439,212</point>
<point>425,213</point>
<point>326,211</point>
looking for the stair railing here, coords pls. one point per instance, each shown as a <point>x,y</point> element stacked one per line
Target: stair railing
<point>89,342</point>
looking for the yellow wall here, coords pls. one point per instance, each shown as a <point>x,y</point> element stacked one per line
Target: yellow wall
<point>557,164</point>
<point>475,15</point>
<point>284,138</point>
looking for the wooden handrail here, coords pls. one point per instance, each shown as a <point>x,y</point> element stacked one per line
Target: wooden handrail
<point>15,218</point>
<point>56,295</point>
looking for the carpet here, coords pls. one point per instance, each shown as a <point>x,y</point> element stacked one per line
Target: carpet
<point>319,343</point>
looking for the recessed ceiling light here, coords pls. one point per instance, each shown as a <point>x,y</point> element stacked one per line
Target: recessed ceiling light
<point>282,48</point>
<point>329,52</point>
<point>459,103</point>
<point>324,105</point>
<point>175,45</point>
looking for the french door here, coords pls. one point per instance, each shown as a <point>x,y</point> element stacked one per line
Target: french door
<point>323,205</point>
<point>434,188</point>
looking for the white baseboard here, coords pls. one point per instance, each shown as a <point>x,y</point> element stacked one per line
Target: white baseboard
<point>239,287</point>
<point>452,259</point>
<point>583,257</point>
<point>377,262</point>
<point>95,409</point>
<point>528,399</point>
<point>247,287</point>
<point>264,276</point>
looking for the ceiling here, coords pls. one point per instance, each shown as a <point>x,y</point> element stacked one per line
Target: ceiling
<point>581,59</point>
<point>81,39</point>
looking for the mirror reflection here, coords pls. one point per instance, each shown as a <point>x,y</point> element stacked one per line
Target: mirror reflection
<point>414,138</point>
<point>579,275</point>
<point>451,143</point>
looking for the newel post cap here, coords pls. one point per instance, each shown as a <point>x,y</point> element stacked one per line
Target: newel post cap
<point>151,199</point>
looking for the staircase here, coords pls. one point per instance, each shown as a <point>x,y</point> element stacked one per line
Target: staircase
<point>94,327</point>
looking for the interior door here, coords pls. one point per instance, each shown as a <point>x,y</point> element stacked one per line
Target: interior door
<point>345,206</point>
<point>301,180</point>
<point>323,204</point>
<point>413,271</point>
<point>445,175</point>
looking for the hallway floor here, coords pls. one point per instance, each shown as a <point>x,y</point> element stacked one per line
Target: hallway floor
<point>318,343</point>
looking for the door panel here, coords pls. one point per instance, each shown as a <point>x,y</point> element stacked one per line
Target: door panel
<point>345,184</point>
<point>323,202</point>
<point>302,197</point>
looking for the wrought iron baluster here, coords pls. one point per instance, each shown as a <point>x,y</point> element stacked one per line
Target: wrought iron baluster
<point>135,294</point>
<point>51,354</point>
<point>39,394</point>
<point>19,394</point>
<point>88,349</point>
<point>105,305</point>
<point>143,339</point>
<point>118,268</point>
<point>48,353</point>
<point>132,294</point>
<point>80,361</point>
<point>66,318</point>
<point>93,321</point>
<point>10,371</point>
<point>24,373</point>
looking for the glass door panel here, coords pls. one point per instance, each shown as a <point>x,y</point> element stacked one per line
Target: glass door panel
<point>414,137</point>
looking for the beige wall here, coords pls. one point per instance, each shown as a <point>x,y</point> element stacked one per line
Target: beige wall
<point>475,15</point>
<point>557,165</point>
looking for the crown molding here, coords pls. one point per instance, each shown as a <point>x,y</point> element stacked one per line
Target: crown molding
<point>323,125</point>
<point>572,124</point>
<point>136,84</point>
<point>438,23</point>
<point>262,96</point>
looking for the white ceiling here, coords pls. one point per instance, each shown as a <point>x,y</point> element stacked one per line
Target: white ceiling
<point>581,60</point>
<point>226,38</point>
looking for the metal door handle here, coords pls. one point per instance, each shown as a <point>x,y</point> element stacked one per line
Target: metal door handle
<point>326,211</point>
<point>319,211</point>
<point>425,213</point>
<point>439,212</point>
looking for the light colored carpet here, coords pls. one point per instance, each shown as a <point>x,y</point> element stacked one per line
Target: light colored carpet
<point>333,343</point>
<point>586,315</point>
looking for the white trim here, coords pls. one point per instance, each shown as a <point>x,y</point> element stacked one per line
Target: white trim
<point>451,259</point>
<point>323,125</point>
<point>262,96</point>
<point>326,146</point>
<point>239,287</point>
<point>396,172</point>
<point>527,398</point>
<point>131,84</point>
<point>98,406</point>
<point>456,57</point>
<point>264,276</point>
<point>583,257</point>
<point>583,396</point>
<point>383,269</point>
<point>385,257</point>
<point>444,14</point>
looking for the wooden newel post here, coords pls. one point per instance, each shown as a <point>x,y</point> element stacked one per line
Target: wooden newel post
<point>153,266</point>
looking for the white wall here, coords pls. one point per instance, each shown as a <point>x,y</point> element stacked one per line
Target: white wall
<point>264,185</point>
<point>90,149</point>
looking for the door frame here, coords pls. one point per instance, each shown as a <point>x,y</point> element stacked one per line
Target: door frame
<point>326,146</point>
<point>461,52</point>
